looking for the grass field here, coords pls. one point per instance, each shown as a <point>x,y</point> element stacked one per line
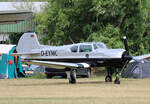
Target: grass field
<point>86,91</point>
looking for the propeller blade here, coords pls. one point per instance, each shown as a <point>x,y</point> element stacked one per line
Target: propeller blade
<point>126,44</point>
<point>126,57</point>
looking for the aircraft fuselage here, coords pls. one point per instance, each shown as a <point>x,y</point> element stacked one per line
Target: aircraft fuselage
<point>95,57</point>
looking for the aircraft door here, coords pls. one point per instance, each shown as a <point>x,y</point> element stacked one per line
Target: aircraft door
<point>84,51</point>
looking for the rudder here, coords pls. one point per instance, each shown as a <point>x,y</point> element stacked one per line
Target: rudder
<point>27,42</point>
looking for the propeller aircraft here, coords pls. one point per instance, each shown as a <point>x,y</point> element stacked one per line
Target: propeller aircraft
<point>74,56</point>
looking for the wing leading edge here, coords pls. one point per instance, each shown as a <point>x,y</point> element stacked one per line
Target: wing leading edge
<point>57,65</point>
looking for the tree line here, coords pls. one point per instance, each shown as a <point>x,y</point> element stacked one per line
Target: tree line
<point>97,20</point>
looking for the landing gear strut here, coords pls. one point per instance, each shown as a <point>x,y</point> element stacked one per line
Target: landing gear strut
<point>71,75</point>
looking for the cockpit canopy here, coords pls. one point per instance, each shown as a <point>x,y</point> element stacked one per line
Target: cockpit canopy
<point>101,45</point>
<point>87,47</point>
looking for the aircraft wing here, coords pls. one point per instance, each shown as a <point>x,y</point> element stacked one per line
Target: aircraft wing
<point>57,65</point>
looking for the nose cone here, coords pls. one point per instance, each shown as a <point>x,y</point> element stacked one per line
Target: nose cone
<point>126,56</point>
<point>112,53</point>
<point>117,52</point>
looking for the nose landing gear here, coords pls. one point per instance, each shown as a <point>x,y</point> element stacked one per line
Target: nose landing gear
<point>108,78</point>
<point>117,81</point>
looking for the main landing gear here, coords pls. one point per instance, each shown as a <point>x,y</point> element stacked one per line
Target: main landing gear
<point>108,78</point>
<point>71,75</point>
<point>117,81</point>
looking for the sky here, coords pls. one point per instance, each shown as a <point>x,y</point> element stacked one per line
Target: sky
<point>10,6</point>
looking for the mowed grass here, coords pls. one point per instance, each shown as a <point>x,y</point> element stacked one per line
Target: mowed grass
<point>86,91</point>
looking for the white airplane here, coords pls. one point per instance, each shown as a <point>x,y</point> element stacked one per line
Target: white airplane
<point>74,56</point>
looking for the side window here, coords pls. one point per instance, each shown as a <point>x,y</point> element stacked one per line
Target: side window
<point>74,49</point>
<point>85,48</point>
<point>95,46</point>
<point>101,45</point>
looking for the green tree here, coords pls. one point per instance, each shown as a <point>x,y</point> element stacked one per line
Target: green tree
<point>67,18</point>
<point>98,20</point>
<point>129,17</point>
<point>14,37</point>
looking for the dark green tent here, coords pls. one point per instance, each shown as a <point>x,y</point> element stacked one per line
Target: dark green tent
<point>137,69</point>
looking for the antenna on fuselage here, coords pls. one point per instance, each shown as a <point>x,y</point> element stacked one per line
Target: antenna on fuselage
<point>71,39</point>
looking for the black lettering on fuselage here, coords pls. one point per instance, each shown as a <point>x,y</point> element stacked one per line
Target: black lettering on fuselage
<point>46,53</point>
<point>49,53</point>
<point>42,53</point>
<point>53,53</point>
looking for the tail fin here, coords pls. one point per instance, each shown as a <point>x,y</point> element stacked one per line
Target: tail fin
<point>27,42</point>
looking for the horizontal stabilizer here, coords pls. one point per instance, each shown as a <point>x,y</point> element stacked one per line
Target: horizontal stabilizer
<point>20,54</point>
<point>57,65</point>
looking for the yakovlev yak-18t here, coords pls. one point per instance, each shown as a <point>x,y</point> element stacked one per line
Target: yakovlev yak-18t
<point>72,57</point>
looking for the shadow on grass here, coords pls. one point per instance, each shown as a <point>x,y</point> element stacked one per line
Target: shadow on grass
<point>60,83</point>
<point>92,82</point>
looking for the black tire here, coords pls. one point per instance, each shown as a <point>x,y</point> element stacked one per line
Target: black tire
<point>117,81</point>
<point>108,78</point>
<point>72,79</point>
